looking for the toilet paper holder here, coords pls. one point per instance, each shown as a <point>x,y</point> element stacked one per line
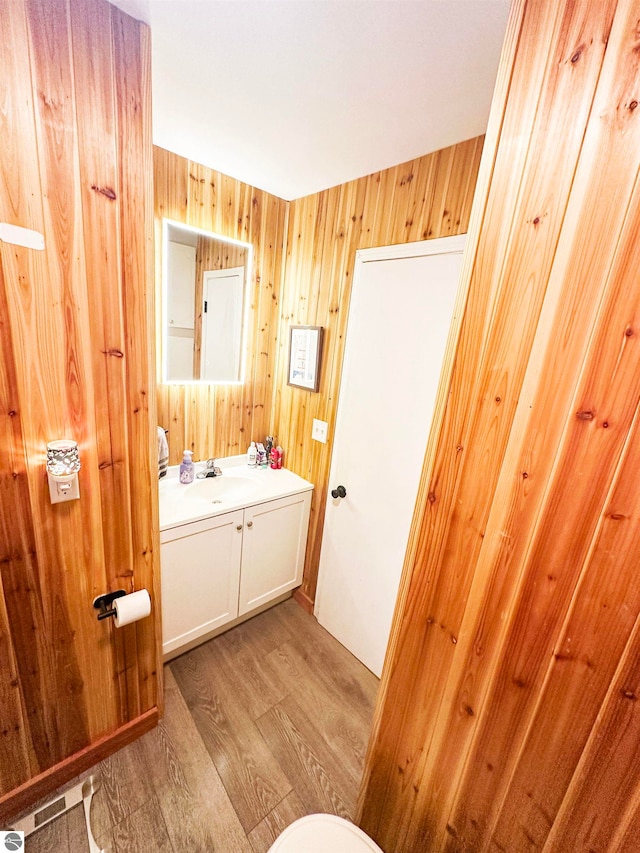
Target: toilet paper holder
<point>103,603</point>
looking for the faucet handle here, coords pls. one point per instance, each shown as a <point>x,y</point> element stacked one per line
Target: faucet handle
<point>211,469</point>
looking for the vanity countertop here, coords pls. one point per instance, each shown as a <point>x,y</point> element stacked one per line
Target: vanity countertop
<point>238,486</point>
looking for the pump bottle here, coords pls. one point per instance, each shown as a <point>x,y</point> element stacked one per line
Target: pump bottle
<point>187,469</point>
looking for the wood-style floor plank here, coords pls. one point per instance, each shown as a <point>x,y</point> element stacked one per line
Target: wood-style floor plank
<point>142,831</point>
<point>307,759</point>
<point>352,679</point>
<point>263,725</point>
<point>266,832</point>
<point>250,773</point>
<point>343,674</point>
<point>124,787</point>
<point>247,668</point>
<point>264,632</point>
<point>332,715</point>
<point>196,809</point>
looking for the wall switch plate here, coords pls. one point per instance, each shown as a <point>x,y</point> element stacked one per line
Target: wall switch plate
<point>319,430</point>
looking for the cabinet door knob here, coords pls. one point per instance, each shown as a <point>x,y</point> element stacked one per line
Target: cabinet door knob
<point>239,527</point>
<point>249,523</point>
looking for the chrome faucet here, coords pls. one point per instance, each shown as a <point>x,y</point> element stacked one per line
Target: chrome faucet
<point>210,470</point>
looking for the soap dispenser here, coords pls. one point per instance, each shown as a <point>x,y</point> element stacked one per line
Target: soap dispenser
<point>187,469</point>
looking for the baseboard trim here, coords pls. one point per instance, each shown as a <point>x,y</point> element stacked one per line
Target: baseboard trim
<point>303,600</point>
<point>48,781</point>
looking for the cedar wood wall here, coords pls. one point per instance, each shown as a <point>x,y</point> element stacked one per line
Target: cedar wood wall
<point>76,362</point>
<point>508,717</point>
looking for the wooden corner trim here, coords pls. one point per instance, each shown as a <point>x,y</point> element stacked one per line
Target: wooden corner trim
<point>303,600</point>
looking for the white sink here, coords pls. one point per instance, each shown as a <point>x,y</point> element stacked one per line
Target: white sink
<point>228,487</point>
<point>236,488</point>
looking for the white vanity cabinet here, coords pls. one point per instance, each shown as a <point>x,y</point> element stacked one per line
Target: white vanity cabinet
<point>200,565</point>
<point>221,569</point>
<point>273,546</point>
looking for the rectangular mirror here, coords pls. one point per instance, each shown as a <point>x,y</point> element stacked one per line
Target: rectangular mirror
<point>205,280</point>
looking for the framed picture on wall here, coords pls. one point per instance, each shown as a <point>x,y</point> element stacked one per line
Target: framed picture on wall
<point>305,353</point>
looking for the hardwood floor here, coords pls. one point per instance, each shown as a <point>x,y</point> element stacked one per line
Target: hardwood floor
<point>262,725</point>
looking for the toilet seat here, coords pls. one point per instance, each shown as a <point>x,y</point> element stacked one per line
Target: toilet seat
<point>323,833</point>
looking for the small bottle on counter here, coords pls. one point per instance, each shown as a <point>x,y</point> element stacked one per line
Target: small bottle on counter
<point>262,455</point>
<point>187,468</point>
<point>252,455</point>
<point>273,458</point>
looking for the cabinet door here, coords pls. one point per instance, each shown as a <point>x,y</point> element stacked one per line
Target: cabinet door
<point>200,576</point>
<point>273,547</point>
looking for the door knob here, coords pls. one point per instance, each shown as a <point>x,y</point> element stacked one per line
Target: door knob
<point>340,492</point>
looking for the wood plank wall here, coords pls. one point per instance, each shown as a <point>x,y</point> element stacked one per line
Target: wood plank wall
<point>75,325</point>
<point>423,199</point>
<point>221,420</point>
<point>508,713</point>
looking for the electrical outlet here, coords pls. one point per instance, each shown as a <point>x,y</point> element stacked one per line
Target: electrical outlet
<point>319,430</point>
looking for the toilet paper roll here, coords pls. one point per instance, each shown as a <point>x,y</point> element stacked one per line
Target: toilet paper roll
<point>130,608</point>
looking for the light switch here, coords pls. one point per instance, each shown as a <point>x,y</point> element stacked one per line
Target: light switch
<point>319,430</point>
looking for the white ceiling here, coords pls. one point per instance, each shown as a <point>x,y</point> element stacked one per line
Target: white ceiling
<point>294,96</point>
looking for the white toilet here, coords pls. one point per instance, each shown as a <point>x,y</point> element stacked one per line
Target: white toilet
<point>323,833</point>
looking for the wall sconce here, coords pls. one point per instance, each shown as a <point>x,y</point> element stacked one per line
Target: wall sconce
<point>63,464</point>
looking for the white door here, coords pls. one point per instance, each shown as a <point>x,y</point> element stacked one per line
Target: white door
<point>222,325</point>
<point>401,310</point>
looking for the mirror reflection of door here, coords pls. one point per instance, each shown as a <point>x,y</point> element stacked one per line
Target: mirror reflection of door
<point>221,316</point>
<point>201,268</point>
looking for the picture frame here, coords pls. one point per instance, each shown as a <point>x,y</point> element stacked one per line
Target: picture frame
<point>305,355</point>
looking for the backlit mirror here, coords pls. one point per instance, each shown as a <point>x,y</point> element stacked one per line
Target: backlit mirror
<point>204,305</point>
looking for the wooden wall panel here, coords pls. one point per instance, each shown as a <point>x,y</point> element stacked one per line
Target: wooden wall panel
<point>222,420</point>
<point>75,149</point>
<point>506,714</point>
<point>98,155</point>
<point>132,55</point>
<point>426,198</point>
